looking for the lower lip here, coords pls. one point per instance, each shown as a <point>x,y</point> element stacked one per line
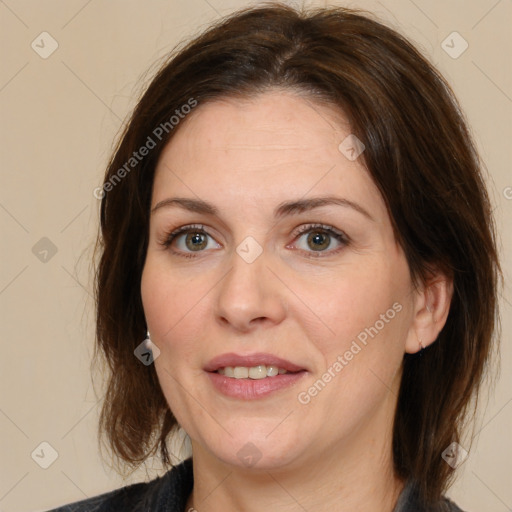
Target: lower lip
<point>250,389</point>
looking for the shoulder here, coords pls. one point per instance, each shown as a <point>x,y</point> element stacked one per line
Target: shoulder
<point>167,493</point>
<point>409,501</point>
<point>135,495</point>
<point>449,506</point>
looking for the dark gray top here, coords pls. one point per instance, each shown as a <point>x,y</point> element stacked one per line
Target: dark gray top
<point>170,492</point>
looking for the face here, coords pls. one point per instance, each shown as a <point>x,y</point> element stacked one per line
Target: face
<point>271,250</point>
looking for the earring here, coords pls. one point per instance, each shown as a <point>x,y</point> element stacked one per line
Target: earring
<point>147,342</point>
<point>422,348</point>
<point>155,351</point>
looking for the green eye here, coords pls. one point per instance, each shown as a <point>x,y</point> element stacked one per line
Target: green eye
<point>196,241</point>
<point>316,239</point>
<point>190,239</point>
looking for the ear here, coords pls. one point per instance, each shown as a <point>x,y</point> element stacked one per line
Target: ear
<point>431,308</point>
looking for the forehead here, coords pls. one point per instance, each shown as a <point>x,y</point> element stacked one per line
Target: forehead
<point>267,126</point>
<point>275,145</point>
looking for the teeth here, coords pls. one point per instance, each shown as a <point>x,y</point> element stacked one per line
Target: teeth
<point>241,372</point>
<point>257,372</point>
<point>272,371</point>
<point>228,371</point>
<point>254,372</point>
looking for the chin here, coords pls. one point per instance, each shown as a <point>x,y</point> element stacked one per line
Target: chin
<point>254,448</point>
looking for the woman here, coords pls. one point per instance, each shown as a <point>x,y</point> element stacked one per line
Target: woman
<point>296,222</point>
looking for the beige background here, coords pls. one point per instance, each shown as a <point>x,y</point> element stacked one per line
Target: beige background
<point>59,117</point>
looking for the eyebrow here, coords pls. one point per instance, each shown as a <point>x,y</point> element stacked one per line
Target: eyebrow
<point>282,210</point>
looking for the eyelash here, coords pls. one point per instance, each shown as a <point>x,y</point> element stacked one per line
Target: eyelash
<point>169,238</point>
<point>329,230</point>
<point>337,235</point>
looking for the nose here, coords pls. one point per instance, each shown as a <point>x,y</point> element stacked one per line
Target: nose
<point>250,295</point>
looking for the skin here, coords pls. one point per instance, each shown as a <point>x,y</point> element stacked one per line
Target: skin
<point>246,157</point>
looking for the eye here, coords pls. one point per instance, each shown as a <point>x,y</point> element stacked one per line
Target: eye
<point>317,239</point>
<point>190,239</point>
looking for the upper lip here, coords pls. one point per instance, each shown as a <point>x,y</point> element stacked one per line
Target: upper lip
<point>250,360</point>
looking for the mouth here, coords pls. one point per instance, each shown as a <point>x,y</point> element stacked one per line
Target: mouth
<point>252,376</point>
<point>254,372</point>
<point>251,366</point>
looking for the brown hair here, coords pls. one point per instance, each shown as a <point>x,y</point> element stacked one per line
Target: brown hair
<point>420,155</point>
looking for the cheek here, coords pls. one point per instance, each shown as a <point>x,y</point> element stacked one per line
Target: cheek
<point>171,305</point>
<point>373,334</point>
<point>155,298</point>
<point>357,305</point>
<point>369,313</point>
<point>174,308</point>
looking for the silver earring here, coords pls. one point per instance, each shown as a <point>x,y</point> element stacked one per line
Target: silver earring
<point>155,351</point>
